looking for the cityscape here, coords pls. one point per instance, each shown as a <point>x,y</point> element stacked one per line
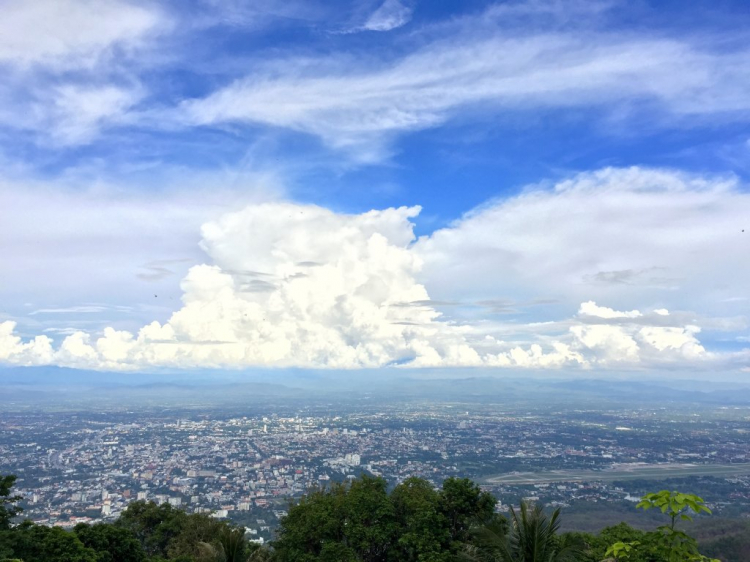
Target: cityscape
<point>87,466</point>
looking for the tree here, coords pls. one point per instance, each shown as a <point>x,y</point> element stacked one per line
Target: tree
<point>597,545</point>
<point>229,546</point>
<point>667,542</point>
<point>259,553</point>
<point>370,526</point>
<point>464,505</point>
<point>361,521</point>
<point>36,543</point>
<point>196,529</point>
<point>8,509</point>
<point>315,521</point>
<point>111,543</point>
<point>422,526</point>
<point>344,522</point>
<point>487,541</point>
<point>154,526</point>
<point>532,537</point>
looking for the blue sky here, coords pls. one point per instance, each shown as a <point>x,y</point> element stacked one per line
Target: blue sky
<point>365,184</point>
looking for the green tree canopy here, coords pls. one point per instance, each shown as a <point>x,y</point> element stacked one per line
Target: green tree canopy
<point>464,505</point>
<point>8,507</point>
<point>154,526</point>
<point>423,533</point>
<point>361,521</point>
<point>111,543</point>
<point>37,543</point>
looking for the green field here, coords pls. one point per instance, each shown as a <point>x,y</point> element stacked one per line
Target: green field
<point>621,472</point>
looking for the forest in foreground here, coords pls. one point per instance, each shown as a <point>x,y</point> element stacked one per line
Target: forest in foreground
<point>365,521</point>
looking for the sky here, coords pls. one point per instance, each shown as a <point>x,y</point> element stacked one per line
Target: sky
<point>507,187</point>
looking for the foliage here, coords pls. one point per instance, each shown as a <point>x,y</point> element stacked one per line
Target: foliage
<point>423,532</point>
<point>464,505</point>
<point>597,545</point>
<point>7,508</point>
<point>145,532</point>
<point>154,526</point>
<point>532,537</point>
<point>370,520</point>
<point>111,543</point>
<point>317,520</point>
<point>195,529</point>
<point>362,522</point>
<point>735,546</point>
<point>666,543</point>
<point>230,546</point>
<point>345,522</point>
<point>488,541</point>
<point>37,543</point>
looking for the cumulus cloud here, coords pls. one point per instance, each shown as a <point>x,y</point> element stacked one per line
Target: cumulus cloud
<point>552,240</point>
<point>633,342</point>
<point>590,308</point>
<point>13,350</point>
<point>341,312</point>
<point>299,285</point>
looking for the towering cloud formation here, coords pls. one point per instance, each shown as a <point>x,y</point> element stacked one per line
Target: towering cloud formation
<point>299,285</point>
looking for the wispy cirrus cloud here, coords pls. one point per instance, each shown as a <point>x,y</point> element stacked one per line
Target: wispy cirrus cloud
<point>69,66</point>
<point>160,269</point>
<point>358,105</point>
<point>71,33</point>
<point>390,15</point>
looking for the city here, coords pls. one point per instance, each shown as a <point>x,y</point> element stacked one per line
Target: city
<point>84,466</point>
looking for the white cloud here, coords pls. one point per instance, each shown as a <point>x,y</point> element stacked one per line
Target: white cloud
<point>70,114</point>
<point>676,238</point>
<point>292,285</point>
<point>12,350</point>
<point>590,308</point>
<point>67,33</point>
<point>610,343</point>
<point>632,342</point>
<point>357,105</point>
<point>390,15</point>
<point>90,241</point>
<point>75,114</point>
<point>70,66</point>
<point>303,286</point>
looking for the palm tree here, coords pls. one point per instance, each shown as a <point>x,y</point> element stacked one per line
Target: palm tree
<point>532,537</point>
<point>229,547</point>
